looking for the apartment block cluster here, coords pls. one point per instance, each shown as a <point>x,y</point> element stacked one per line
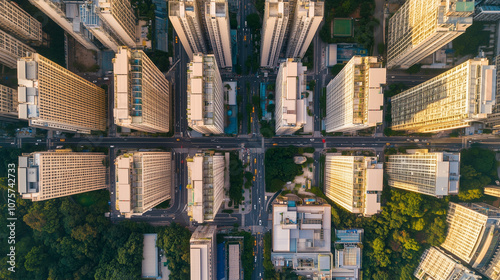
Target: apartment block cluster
<point>458,98</point>
<point>471,245</point>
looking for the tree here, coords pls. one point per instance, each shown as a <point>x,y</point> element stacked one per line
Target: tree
<point>253,21</point>
<point>174,240</point>
<point>36,259</point>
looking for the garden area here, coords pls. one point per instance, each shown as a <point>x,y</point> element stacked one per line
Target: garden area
<point>281,168</point>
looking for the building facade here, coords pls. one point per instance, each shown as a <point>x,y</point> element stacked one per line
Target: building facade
<point>492,190</point>
<point>354,182</point>
<point>19,23</point>
<point>217,23</point>
<point>205,95</point>
<point>8,102</point>
<point>473,231</point>
<point>112,22</point>
<point>143,180</point>
<point>203,253</point>
<point>306,19</point>
<point>435,174</point>
<point>436,264</point>
<point>420,28</point>
<point>291,107</point>
<point>67,16</point>
<point>186,19</point>
<point>142,93</point>
<point>277,14</point>
<point>455,99</point>
<point>52,97</point>
<point>354,98</point>
<point>206,181</point>
<point>12,49</point>
<point>53,174</point>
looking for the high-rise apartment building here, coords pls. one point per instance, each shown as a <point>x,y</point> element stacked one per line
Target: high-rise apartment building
<point>354,182</point>
<point>11,49</point>
<point>436,174</point>
<point>307,16</point>
<point>436,264</point>
<point>53,174</point>
<point>277,13</point>
<point>142,93</point>
<point>420,28</point>
<point>186,20</point>
<point>301,239</point>
<point>354,98</point>
<point>111,21</point>
<point>52,97</point>
<point>291,106</point>
<point>203,253</point>
<point>473,233</point>
<point>217,24</point>
<point>66,15</point>
<point>493,119</point>
<point>205,95</point>
<point>143,180</point>
<point>19,23</point>
<point>454,99</point>
<point>8,102</point>
<point>206,180</point>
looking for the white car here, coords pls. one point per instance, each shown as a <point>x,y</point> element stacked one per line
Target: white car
<point>112,146</point>
<point>254,207</point>
<point>260,222</point>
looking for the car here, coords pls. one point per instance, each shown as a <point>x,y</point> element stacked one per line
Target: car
<point>178,139</point>
<point>176,39</point>
<point>109,72</point>
<point>259,199</point>
<point>112,146</point>
<point>275,144</point>
<point>245,38</point>
<point>323,140</point>
<point>62,140</point>
<point>254,178</point>
<point>260,222</point>
<point>253,109</point>
<point>254,207</point>
<point>260,274</point>
<point>254,160</point>
<point>312,139</point>
<point>416,140</point>
<point>94,81</point>
<point>182,161</point>
<point>255,171</point>
<point>39,140</point>
<point>112,192</point>
<point>106,78</point>
<point>255,243</point>
<point>255,258</point>
<point>36,144</point>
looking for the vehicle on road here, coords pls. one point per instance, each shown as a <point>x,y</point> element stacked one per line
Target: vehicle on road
<point>62,140</point>
<point>255,243</point>
<point>106,78</point>
<point>255,258</point>
<point>275,144</point>
<point>112,146</point>
<point>94,81</point>
<point>254,178</point>
<point>39,140</point>
<point>255,171</point>
<point>254,207</point>
<point>323,140</point>
<point>176,39</point>
<point>245,38</point>
<point>260,222</point>
<point>255,160</point>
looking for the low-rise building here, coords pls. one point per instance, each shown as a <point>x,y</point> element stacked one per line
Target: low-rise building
<point>348,254</point>
<point>492,190</point>
<point>302,239</point>
<point>150,260</point>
